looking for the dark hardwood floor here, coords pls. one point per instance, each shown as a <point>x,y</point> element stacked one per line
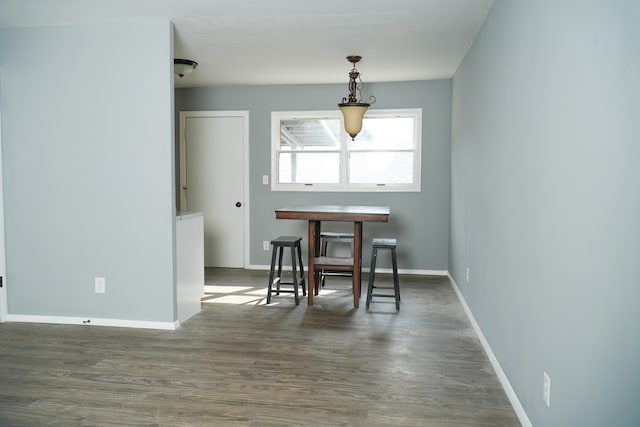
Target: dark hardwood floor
<point>243,363</point>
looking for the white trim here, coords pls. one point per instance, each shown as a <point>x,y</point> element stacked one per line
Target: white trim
<point>502,377</point>
<point>366,270</point>
<point>246,198</point>
<point>3,266</point>
<point>93,321</point>
<point>344,153</point>
<point>415,272</point>
<point>245,152</point>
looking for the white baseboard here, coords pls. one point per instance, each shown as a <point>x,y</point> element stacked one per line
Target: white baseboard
<point>94,321</point>
<point>366,270</point>
<point>502,377</point>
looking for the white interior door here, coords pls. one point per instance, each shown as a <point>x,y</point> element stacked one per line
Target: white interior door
<point>213,158</point>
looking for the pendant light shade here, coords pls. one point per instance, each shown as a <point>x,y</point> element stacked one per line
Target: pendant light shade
<point>352,107</point>
<point>353,115</point>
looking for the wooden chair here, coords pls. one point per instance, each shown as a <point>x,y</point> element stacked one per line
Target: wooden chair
<point>327,237</point>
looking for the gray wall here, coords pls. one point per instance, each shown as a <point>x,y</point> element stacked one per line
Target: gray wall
<point>419,220</point>
<point>87,123</point>
<point>545,205</point>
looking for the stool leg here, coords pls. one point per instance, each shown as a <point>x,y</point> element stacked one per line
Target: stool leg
<point>323,252</point>
<point>294,274</point>
<point>273,266</point>
<point>396,282</point>
<point>372,273</point>
<point>302,281</point>
<point>280,250</point>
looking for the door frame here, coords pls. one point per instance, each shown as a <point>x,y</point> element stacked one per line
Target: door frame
<point>244,114</point>
<point>4,311</point>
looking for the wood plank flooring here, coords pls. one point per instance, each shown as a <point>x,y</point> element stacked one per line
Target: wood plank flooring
<point>243,363</point>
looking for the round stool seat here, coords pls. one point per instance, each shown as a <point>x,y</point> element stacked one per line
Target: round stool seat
<point>383,243</point>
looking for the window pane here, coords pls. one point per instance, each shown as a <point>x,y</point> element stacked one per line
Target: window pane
<point>385,133</point>
<point>310,134</point>
<point>381,167</point>
<point>298,167</point>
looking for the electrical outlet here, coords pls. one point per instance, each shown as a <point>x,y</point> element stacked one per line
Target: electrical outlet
<point>546,389</point>
<point>467,274</point>
<point>265,245</point>
<point>265,179</point>
<point>100,285</point>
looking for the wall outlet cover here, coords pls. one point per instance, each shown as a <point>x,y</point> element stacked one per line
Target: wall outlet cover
<point>100,285</point>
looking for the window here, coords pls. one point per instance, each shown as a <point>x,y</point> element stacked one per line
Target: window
<point>312,152</point>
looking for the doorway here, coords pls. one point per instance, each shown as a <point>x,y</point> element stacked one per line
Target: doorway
<point>213,167</point>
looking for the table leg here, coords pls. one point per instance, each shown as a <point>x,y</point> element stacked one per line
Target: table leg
<point>357,262</point>
<point>316,251</point>
<point>312,268</point>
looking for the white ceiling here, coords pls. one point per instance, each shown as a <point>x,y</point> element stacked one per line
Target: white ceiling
<point>289,41</point>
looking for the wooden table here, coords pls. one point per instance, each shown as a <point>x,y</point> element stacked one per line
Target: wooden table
<point>315,214</point>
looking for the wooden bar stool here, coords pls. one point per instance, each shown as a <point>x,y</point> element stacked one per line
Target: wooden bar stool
<point>384,243</point>
<point>293,243</point>
<point>327,237</point>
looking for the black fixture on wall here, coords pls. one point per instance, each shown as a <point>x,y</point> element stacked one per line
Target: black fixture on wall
<point>183,67</point>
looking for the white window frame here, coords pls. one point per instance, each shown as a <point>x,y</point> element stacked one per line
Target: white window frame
<point>343,185</point>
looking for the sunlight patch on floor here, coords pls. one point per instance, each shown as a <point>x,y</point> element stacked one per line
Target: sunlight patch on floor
<point>262,292</point>
<point>250,295</point>
<point>237,299</point>
<point>222,289</point>
<point>326,292</point>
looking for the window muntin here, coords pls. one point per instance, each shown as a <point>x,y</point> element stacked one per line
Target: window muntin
<point>312,152</point>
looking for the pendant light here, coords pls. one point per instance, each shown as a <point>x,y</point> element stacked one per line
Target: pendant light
<point>352,107</point>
